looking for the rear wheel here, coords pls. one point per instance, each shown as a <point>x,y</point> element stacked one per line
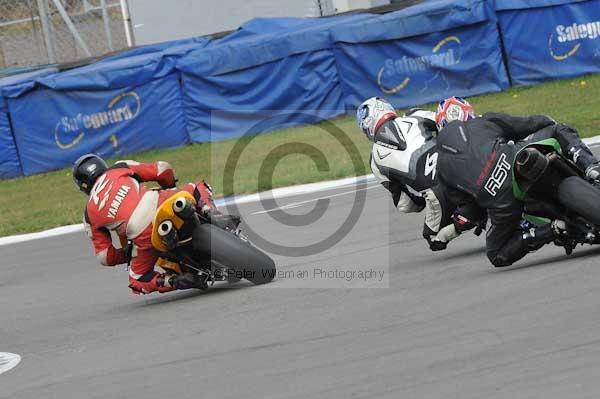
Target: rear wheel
<point>220,246</point>
<point>580,197</point>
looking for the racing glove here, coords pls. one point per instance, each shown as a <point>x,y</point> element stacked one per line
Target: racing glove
<point>226,222</point>
<point>165,175</point>
<point>436,245</point>
<point>439,241</point>
<point>460,224</point>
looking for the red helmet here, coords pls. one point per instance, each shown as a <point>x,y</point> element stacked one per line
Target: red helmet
<point>453,109</point>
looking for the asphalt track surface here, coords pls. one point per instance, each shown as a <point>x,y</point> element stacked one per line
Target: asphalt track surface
<point>443,325</point>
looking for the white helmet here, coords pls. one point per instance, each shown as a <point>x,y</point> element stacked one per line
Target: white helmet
<point>373,113</point>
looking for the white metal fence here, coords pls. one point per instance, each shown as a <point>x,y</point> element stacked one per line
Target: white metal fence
<point>34,32</point>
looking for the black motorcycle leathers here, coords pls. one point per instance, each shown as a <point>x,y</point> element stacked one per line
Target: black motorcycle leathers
<point>404,159</point>
<point>475,166</point>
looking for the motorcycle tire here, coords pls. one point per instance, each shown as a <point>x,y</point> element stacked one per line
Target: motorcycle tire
<point>213,243</point>
<point>580,197</point>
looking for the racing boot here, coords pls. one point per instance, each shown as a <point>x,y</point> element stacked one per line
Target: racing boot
<point>577,151</point>
<point>186,281</point>
<point>150,282</point>
<point>557,232</point>
<point>535,237</point>
<point>592,172</point>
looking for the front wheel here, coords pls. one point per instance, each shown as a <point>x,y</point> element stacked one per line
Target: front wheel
<point>580,197</point>
<point>220,246</point>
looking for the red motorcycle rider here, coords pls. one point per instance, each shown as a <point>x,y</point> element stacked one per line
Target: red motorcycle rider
<point>119,202</point>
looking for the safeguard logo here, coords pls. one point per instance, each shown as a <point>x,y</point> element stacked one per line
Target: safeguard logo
<point>566,40</point>
<point>395,74</point>
<point>70,130</point>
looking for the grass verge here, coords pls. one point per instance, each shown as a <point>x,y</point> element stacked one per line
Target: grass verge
<point>50,199</point>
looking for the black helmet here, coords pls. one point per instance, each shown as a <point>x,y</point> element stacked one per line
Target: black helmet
<point>86,170</point>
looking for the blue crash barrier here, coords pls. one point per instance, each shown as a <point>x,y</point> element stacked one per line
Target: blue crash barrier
<point>110,108</point>
<point>422,54</point>
<point>174,47</point>
<point>287,77</point>
<point>550,39</point>
<point>280,72</point>
<point>270,26</point>
<point>10,164</point>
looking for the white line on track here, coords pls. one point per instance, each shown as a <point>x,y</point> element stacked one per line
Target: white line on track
<point>276,193</point>
<point>300,203</point>
<point>293,191</point>
<point>592,141</point>
<point>8,361</point>
<point>58,231</point>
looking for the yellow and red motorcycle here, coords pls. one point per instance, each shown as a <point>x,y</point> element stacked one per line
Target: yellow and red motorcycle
<point>189,242</point>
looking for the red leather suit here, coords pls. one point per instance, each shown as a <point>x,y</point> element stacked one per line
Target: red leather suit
<point>119,202</point>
